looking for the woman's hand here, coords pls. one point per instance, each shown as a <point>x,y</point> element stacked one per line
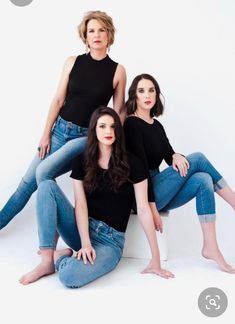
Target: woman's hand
<point>86,253</point>
<point>44,146</point>
<point>156,217</point>
<point>180,164</point>
<point>154,267</point>
<point>158,222</point>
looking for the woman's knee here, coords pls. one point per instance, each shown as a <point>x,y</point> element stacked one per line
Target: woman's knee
<point>40,174</point>
<point>196,156</point>
<point>46,185</point>
<point>71,274</point>
<point>44,171</point>
<point>204,180</point>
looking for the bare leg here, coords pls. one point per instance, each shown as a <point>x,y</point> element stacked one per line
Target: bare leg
<point>57,236</point>
<point>228,195</point>
<point>210,248</point>
<point>45,267</point>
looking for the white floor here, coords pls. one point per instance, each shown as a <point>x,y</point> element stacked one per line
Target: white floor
<point>121,295</point>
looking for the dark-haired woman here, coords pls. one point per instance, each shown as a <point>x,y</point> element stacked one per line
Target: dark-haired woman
<point>87,81</point>
<point>106,181</point>
<point>186,177</point>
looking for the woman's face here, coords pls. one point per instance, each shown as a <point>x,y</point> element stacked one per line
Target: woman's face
<point>105,130</point>
<point>97,36</point>
<point>145,94</point>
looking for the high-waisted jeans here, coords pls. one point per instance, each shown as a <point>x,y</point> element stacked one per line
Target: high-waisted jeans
<point>55,213</point>
<point>202,180</point>
<point>67,141</point>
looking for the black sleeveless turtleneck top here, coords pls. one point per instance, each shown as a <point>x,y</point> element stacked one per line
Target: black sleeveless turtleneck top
<point>90,85</point>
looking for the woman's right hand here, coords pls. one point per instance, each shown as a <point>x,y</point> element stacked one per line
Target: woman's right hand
<point>86,253</point>
<point>154,267</point>
<point>44,146</point>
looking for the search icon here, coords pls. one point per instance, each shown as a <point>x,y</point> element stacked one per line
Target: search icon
<point>212,302</point>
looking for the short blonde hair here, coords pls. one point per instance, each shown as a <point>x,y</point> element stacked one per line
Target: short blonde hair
<point>103,18</point>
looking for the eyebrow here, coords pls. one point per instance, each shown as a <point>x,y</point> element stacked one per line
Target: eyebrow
<point>100,123</point>
<point>143,88</point>
<point>91,28</point>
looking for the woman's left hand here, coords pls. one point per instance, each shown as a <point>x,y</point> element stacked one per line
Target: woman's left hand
<point>158,222</point>
<point>154,267</point>
<point>180,164</point>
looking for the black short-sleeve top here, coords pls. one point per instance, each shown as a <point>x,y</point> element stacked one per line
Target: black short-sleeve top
<point>105,204</point>
<point>148,141</point>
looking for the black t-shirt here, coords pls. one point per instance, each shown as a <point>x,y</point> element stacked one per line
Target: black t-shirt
<point>104,204</point>
<point>148,141</point>
<point>90,86</point>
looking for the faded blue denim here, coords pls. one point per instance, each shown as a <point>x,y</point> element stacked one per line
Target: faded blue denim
<point>55,213</point>
<point>67,141</point>
<point>202,180</point>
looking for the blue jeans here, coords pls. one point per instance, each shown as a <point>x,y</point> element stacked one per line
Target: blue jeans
<point>67,141</point>
<point>202,180</point>
<point>55,213</point>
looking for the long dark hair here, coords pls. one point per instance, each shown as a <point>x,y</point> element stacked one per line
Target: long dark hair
<point>118,169</point>
<point>131,105</point>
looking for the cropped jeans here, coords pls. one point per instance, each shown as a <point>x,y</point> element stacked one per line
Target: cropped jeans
<point>55,213</point>
<point>202,180</point>
<point>67,141</point>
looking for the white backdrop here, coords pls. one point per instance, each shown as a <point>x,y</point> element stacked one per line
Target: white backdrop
<point>188,45</point>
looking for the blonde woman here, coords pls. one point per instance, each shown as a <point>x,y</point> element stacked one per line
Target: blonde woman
<point>87,81</point>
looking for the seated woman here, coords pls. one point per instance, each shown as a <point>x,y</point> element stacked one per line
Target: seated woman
<point>186,177</point>
<point>106,182</point>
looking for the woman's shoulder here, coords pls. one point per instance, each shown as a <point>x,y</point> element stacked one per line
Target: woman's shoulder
<point>132,120</point>
<point>120,74</point>
<point>70,60</point>
<point>159,125</point>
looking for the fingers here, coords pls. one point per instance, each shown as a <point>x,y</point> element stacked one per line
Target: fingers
<point>44,148</point>
<point>79,253</point>
<point>187,163</point>
<point>42,151</point>
<point>159,227</point>
<point>93,254</point>
<point>86,254</point>
<point>48,148</point>
<point>160,272</point>
<point>182,168</point>
<point>84,258</point>
<point>175,167</point>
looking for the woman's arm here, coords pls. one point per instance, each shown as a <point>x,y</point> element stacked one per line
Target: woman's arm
<point>119,85</point>
<point>146,219</point>
<point>156,217</point>
<point>57,102</point>
<point>81,214</point>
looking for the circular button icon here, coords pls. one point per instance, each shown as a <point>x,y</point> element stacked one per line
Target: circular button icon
<point>212,302</point>
<point>21,3</point>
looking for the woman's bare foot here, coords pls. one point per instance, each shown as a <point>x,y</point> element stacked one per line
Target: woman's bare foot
<point>57,254</point>
<point>44,268</point>
<point>217,256</point>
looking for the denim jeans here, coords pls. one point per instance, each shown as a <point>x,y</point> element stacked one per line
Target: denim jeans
<point>202,180</point>
<point>55,213</point>
<point>67,141</point>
